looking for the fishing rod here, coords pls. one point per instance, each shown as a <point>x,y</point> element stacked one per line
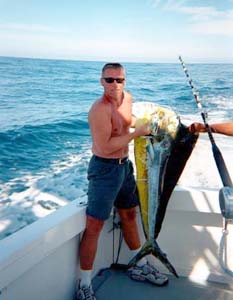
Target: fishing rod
<point>222,169</point>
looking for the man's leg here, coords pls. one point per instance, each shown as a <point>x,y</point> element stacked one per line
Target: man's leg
<point>130,232</point>
<point>88,245</point>
<point>129,227</point>
<point>87,252</point>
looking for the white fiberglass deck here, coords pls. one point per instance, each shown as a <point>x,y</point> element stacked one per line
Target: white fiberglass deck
<point>115,284</point>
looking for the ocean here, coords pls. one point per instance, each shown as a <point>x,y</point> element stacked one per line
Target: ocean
<point>45,143</point>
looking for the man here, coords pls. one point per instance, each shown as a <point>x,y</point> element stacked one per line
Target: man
<point>111,180</point>
<point>223,128</point>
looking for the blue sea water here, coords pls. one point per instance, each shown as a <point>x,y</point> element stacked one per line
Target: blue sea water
<point>44,135</point>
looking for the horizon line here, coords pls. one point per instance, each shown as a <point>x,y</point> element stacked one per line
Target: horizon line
<point>101,60</point>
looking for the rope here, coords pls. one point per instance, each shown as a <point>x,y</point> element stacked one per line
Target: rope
<point>222,253</point>
<point>119,246</point>
<point>116,225</point>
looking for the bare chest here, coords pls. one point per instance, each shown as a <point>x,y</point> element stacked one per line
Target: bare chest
<point>121,120</point>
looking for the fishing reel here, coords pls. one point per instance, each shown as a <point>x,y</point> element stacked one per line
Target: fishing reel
<point>226,202</point>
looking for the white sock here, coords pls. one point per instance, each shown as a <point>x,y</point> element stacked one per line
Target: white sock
<point>142,261</point>
<point>85,276</point>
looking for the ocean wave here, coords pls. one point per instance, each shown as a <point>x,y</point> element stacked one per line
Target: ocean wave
<point>33,149</point>
<point>28,133</point>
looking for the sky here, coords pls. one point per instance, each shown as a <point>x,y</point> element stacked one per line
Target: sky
<point>122,30</point>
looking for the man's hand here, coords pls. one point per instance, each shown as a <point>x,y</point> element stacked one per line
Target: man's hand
<point>145,129</point>
<point>197,127</point>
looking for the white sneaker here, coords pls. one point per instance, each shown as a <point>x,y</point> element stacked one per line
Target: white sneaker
<point>85,293</point>
<point>147,273</point>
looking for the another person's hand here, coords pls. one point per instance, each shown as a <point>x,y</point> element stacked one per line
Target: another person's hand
<point>197,127</point>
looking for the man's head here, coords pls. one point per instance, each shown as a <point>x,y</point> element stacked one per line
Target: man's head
<point>111,66</point>
<point>113,79</point>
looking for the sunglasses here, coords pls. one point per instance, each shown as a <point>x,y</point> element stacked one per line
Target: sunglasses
<point>111,80</point>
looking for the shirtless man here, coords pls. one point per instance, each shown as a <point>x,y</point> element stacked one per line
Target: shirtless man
<point>111,179</point>
<point>223,128</point>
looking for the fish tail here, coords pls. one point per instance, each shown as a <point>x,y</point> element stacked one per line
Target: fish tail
<point>158,253</point>
<point>145,250</point>
<point>152,247</point>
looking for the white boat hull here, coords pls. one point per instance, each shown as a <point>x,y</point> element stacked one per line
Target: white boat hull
<point>39,261</point>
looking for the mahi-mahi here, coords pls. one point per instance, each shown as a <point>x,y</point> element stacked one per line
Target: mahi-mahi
<point>160,159</point>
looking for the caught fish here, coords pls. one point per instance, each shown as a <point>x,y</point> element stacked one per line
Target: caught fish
<point>160,159</point>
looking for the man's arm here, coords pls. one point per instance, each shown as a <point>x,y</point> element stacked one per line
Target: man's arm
<point>222,128</point>
<point>101,129</point>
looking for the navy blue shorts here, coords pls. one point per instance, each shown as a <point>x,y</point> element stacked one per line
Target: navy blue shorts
<point>110,184</point>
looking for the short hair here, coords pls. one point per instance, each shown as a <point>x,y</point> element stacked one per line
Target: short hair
<point>111,66</point>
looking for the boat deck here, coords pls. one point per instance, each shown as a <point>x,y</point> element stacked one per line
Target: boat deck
<point>115,284</point>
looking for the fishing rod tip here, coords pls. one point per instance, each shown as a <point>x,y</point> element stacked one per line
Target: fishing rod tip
<point>180,58</point>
